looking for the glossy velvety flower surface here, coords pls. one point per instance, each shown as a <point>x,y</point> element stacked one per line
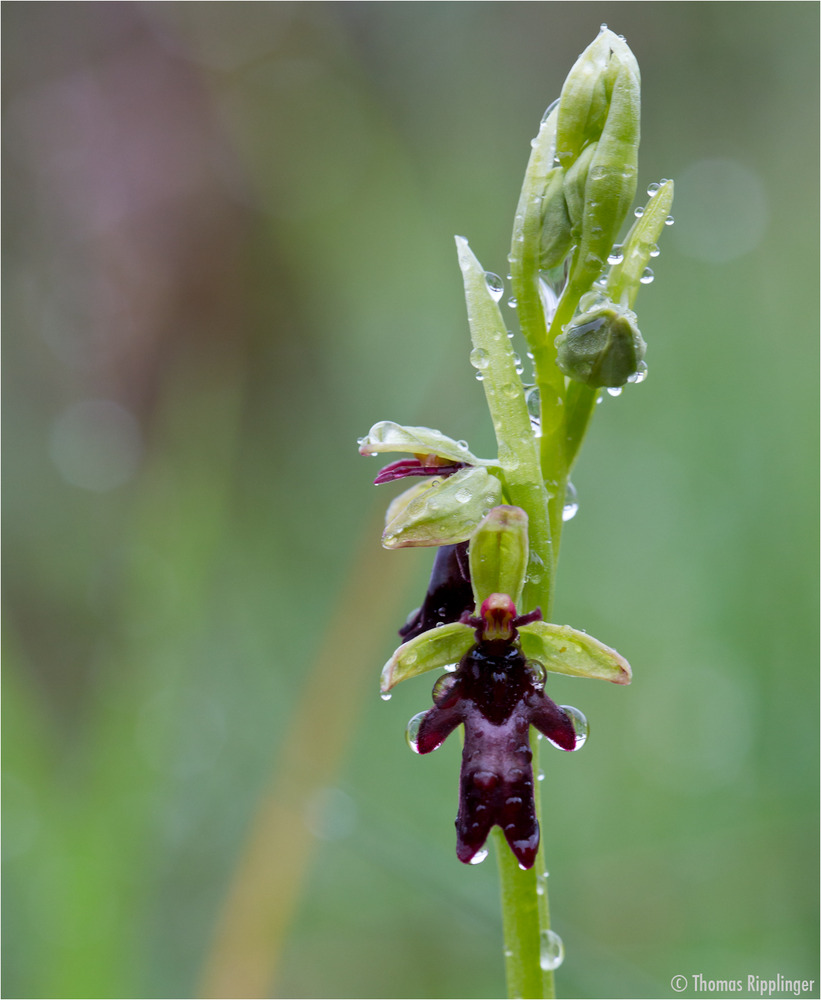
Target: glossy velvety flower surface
<point>498,697</point>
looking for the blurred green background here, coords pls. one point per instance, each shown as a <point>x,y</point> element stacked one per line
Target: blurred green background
<point>228,251</point>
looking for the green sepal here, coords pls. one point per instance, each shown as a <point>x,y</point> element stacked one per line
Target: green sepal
<point>438,647</point>
<point>392,437</point>
<point>498,554</point>
<point>441,511</point>
<point>561,649</point>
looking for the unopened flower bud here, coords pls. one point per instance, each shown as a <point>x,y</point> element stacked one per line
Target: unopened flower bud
<point>557,233</point>
<point>602,347</point>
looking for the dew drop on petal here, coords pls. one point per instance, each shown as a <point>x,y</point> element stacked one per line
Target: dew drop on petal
<point>614,390</point>
<point>580,724</point>
<point>653,189</point>
<point>495,285</point>
<point>463,495</point>
<point>538,674</point>
<point>479,856</point>
<point>571,503</point>
<point>551,950</point>
<point>412,731</point>
<point>616,255</point>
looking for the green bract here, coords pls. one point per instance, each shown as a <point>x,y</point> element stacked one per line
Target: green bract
<point>640,244</point>
<point>438,647</point>
<point>441,511</point>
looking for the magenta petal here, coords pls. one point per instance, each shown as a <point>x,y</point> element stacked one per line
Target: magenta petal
<point>404,467</point>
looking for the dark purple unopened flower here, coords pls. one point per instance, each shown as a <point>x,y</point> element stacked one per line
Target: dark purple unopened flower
<point>449,593</point>
<point>498,697</point>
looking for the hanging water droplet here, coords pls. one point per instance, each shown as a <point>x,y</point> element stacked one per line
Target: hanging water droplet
<point>580,724</point>
<point>495,285</point>
<point>616,255</point>
<point>571,503</point>
<point>385,696</point>
<point>480,377</point>
<point>669,220</point>
<point>538,674</point>
<point>652,189</point>
<point>654,250</point>
<point>614,390</point>
<point>540,775</point>
<point>479,358</point>
<point>639,212</point>
<point>550,109</point>
<point>449,668</point>
<point>533,400</point>
<point>479,857</point>
<point>551,950</point>
<point>442,686</point>
<point>646,276</point>
<point>412,731</point>
<point>512,303</point>
<point>640,375</point>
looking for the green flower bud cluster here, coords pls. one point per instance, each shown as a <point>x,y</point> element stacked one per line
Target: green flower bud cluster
<point>596,126</point>
<point>602,346</point>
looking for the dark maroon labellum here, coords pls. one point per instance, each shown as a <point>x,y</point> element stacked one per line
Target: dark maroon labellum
<point>430,465</point>
<point>498,698</point>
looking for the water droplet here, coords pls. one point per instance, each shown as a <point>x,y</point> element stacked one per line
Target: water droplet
<point>540,775</point>
<point>412,731</point>
<point>571,503</point>
<point>580,724</point>
<point>512,303</point>
<point>639,212</point>
<point>443,685</point>
<point>551,950</point>
<point>385,696</point>
<point>479,857</point>
<point>538,674</point>
<point>480,377</point>
<point>669,220</point>
<point>535,568</point>
<point>510,389</point>
<point>654,250</point>
<point>646,276</point>
<point>640,375</point>
<point>463,494</point>
<point>652,189</point>
<point>550,109</point>
<point>495,285</point>
<point>449,667</point>
<point>479,358</point>
<point>463,444</point>
<point>541,884</point>
<point>614,390</point>
<point>616,255</point>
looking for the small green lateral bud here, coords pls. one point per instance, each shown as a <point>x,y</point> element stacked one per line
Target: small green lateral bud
<point>602,347</point>
<point>557,232</point>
